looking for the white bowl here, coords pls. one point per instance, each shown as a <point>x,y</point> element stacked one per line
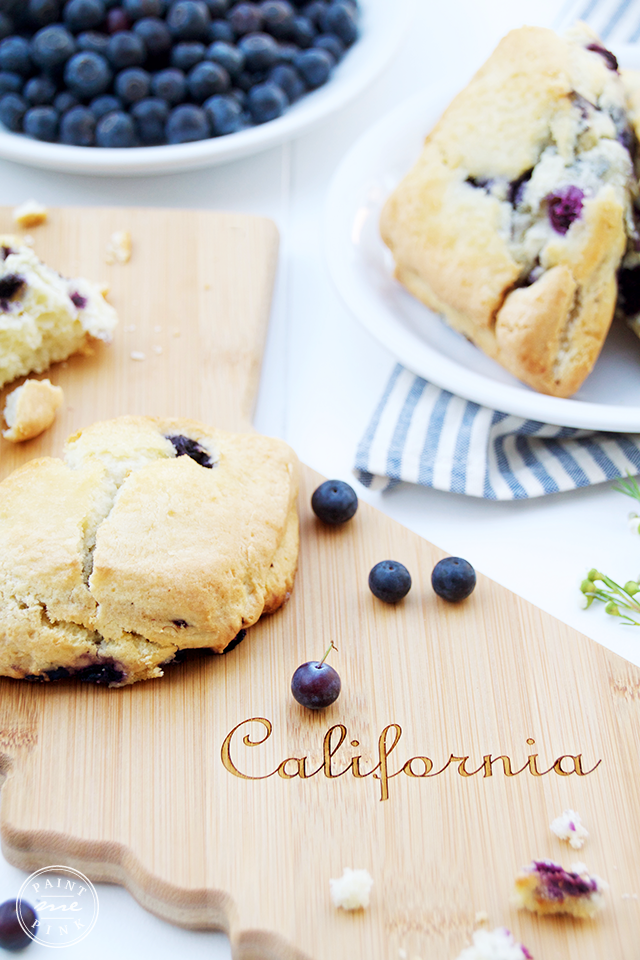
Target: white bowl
<point>383,24</point>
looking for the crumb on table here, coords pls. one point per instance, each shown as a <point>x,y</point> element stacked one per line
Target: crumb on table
<point>499,944</point>
<point>31,409</point>
<point>352,890</point>
<point>119,247</point>
<point>30,214</point>
<point>569,827</point>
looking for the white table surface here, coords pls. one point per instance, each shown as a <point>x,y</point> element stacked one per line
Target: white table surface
<point>323,376</point>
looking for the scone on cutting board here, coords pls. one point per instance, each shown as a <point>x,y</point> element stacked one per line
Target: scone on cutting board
<point>518,214</point>
<point>150,537</point>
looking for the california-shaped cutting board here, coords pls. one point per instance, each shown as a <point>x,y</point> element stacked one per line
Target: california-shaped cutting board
<point>461,731</point>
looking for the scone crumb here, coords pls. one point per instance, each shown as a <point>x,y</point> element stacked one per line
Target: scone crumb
<point>629,896</point>
<point>31,409</point>
<point>352,890</point>
<point>157,349</point>
<point>130,327</point>
<point>28,240</point>
<point>30,214</point>
<point>402,953</point>
<point>481,917</point>
<point>546,888</point>
<point>177,332</point>
<point>157,328</point>
<point>498,944</point>
<point>569,827</point>
<point>119,247</point>
<point>138,355</point>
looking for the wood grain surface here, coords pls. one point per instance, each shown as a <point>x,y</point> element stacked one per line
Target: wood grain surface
<point>178,788</point>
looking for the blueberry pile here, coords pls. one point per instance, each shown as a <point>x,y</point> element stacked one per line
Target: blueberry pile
<point>125,73</point>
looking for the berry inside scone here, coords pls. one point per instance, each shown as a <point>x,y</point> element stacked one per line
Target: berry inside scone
<point>545,887</point>
<point>151,537</point>
<point>516,218</point>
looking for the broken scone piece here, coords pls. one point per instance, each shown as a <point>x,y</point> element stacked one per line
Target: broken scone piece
<point>152,536</point>
<point>45,317</point>
<point>351,891</point>
<point>31,409</point>
<point>546,887</point>
<point>516,217</point>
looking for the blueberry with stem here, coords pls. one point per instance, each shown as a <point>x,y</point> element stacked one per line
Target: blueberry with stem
<point>316,685</point>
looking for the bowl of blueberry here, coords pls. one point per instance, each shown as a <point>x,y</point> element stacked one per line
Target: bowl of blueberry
<point>143,86</point>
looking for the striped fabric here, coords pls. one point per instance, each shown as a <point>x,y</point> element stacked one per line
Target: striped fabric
<point>422,434</point>
<point>615,21</point>
<point>425,435</point>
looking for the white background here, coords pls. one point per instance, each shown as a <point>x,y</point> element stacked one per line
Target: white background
<point>323,376</point>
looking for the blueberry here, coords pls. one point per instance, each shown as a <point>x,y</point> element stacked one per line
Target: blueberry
<point>10,82</point>
<point>51,47</point>
<point>42,123</point>
<point>15,56</point>
<point>107,103</point>
<point>43,12</point>
<point>217,8</point>
<point>189,20</point>
<point>117,20</point>
<point>288,52</point>
<point>65,101</point>
<point>87,74</point>
<point>40,90</point>
<point>303,31</point>
<point>245,18</point>
<point>314,66</point>
<point>389,581</point>
<point>228,56</point>
<point>187,123</point>
<point>315,685</point>
<point>609,58</point>
<point>12,110</point>
<point>261,52</point>
<point>206,79</point>
<point>81,15</point>
<point>151,116</point>
<point>278,18</point>
<point>137,9</point>
<point>185,55</point>
<point>289,81</point>
<point>6,26</point>
<point>315,11</point>
<point>12,935</point>
<point>224,113</point>
<point>239,96</point>
<point>126,49</point>
<point>332,44</point>
<point>94,41</point>
<point>78,127</point>
<point>564,207</point>
<point>453,579</point>
<point>155,35</point>
<point>341,18</point>
<point>132,84</point>
<point>334,502</point>
<point>185,446</point>
<point>169,85</point>
<point>116,129</point>
<point>221,30</point>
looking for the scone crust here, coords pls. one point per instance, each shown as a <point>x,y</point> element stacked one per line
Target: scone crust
<point>138,552</point>
<point>453,241</point>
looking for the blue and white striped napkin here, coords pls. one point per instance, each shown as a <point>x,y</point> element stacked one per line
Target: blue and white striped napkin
<point>425,435</point>
<point>422,434</point>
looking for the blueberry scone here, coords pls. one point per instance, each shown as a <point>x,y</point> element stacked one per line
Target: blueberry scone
<point>515,219</point>
<point>45,317</point>
<point>545,887</point>
<point>150,537</point>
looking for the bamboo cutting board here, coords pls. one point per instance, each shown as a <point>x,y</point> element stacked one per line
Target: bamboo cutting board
<point>218,801</point>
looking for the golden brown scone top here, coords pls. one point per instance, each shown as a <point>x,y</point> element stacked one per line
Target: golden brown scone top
<point>470,225</point>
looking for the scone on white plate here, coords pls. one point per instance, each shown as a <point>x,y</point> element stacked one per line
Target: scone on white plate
<point>45,317</point>
<point>515,219</point>
<point>151,537</point>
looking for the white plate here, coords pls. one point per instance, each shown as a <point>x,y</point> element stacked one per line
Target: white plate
<point>362,269</point>
<point>382,26</point>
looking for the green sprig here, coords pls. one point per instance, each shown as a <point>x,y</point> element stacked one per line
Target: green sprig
<point>612,595</point>
<point>629,487</point>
